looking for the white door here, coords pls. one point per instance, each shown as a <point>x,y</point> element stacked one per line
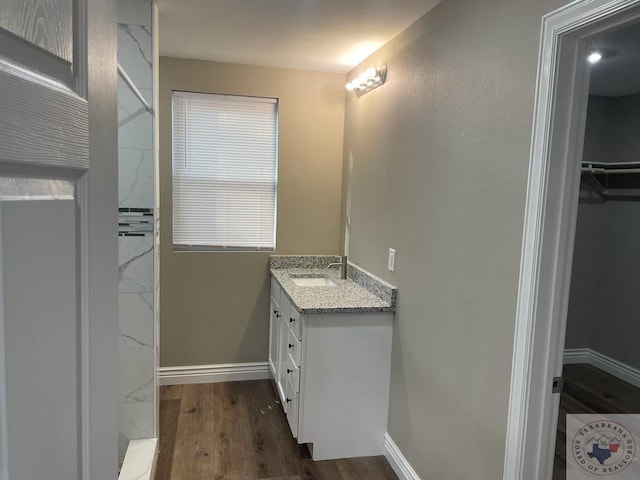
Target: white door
<point>58,240</point>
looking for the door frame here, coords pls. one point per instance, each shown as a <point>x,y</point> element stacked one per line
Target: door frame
<point>549,228</point>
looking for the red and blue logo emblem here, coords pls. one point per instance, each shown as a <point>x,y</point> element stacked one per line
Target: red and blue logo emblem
<point>603,448</point>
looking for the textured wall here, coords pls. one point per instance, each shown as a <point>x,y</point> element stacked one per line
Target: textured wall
<point>439,158</point>
<point>214,305</point>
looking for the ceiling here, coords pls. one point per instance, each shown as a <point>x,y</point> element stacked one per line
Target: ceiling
<point>321,35</point>
<point>618,73</point>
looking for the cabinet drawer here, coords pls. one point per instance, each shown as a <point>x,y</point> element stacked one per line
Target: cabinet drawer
<point>294,322</point>
<point>294,348</point>
<point>281,387</point>
<point>275,290</point>
<point>285,307</point>
<point>292,401</point>
<point>275,309</point>
<point>293,374</point>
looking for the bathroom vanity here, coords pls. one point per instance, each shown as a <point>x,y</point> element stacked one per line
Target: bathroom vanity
<point>330,354</point>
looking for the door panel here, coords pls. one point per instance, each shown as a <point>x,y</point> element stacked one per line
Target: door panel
<point>40,312</point>
<point>47,24</point>
<point>27,101</point>
<point>45,36</point>
<point>43,77</point>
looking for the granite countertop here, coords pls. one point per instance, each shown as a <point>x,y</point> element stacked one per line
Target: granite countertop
<point>347,297</point>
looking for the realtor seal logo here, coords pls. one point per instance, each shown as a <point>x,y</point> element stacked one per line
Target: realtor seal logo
<point>603,447</point>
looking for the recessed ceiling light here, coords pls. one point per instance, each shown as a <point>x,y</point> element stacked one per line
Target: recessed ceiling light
<point>594,57</point>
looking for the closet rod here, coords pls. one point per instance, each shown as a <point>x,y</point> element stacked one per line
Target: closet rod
<point>609,171</point>
<point>133,88</point>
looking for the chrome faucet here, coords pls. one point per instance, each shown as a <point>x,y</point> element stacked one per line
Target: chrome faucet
<point>343,267</point>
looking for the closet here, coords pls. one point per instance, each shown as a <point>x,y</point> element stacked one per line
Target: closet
<point>602,359</point>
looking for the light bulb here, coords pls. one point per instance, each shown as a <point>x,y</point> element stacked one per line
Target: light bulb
<point>368,80</point>
<point>594,57</point>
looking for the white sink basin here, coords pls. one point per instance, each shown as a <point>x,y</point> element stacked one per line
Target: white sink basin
<point>319,281</point>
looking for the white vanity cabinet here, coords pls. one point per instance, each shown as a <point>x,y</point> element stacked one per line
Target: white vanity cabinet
<point>332,372</point>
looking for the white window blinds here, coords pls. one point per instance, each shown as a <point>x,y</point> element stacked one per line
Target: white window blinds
<point>224,171</point>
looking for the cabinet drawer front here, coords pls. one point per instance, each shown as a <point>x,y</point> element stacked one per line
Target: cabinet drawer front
<point>281,387</point>
<point>285,307</point>
<point>274,309</point>
<point>275,290</point>
<point>293,401</point>
<point>293,374</point>
<point>294,348</point>
<point>294,322</point>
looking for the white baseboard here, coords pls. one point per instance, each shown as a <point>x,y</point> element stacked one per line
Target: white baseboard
<point>228,372</point>
<point>398,463</point>
<point>577,355</point>
<point>607,364</point>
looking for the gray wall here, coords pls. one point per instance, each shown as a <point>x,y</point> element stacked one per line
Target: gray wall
<point>214,306</point>
<point>612,132</point>
<point>628,111</point>
<point>600,134</point>
<point>439,157</point>
<point>616,329</point>
<point>604,302</point>
<point>584,295</point>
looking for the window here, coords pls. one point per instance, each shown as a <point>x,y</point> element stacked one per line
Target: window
<point>225,151</point>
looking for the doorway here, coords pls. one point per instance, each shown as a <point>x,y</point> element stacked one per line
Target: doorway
<point>568,37</point>
<point>601,372</point>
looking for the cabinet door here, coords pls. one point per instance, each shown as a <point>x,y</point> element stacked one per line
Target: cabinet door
<point>274,317</point>
<point>283,332</point>
<point>292,401</point>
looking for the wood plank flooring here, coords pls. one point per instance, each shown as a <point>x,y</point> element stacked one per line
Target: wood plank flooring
<point>237,430</point>
<point>590,390</point>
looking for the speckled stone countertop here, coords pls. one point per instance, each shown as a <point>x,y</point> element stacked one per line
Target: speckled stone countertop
<point>346,297</point>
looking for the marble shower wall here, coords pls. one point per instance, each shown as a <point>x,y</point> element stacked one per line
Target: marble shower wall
<point>137,395</point>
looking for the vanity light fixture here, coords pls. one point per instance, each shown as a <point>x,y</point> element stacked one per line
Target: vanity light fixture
<point>368,80</point>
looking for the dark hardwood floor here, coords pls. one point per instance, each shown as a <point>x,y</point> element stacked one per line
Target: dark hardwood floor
<point>237,430</point>
<point>590,390</point>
